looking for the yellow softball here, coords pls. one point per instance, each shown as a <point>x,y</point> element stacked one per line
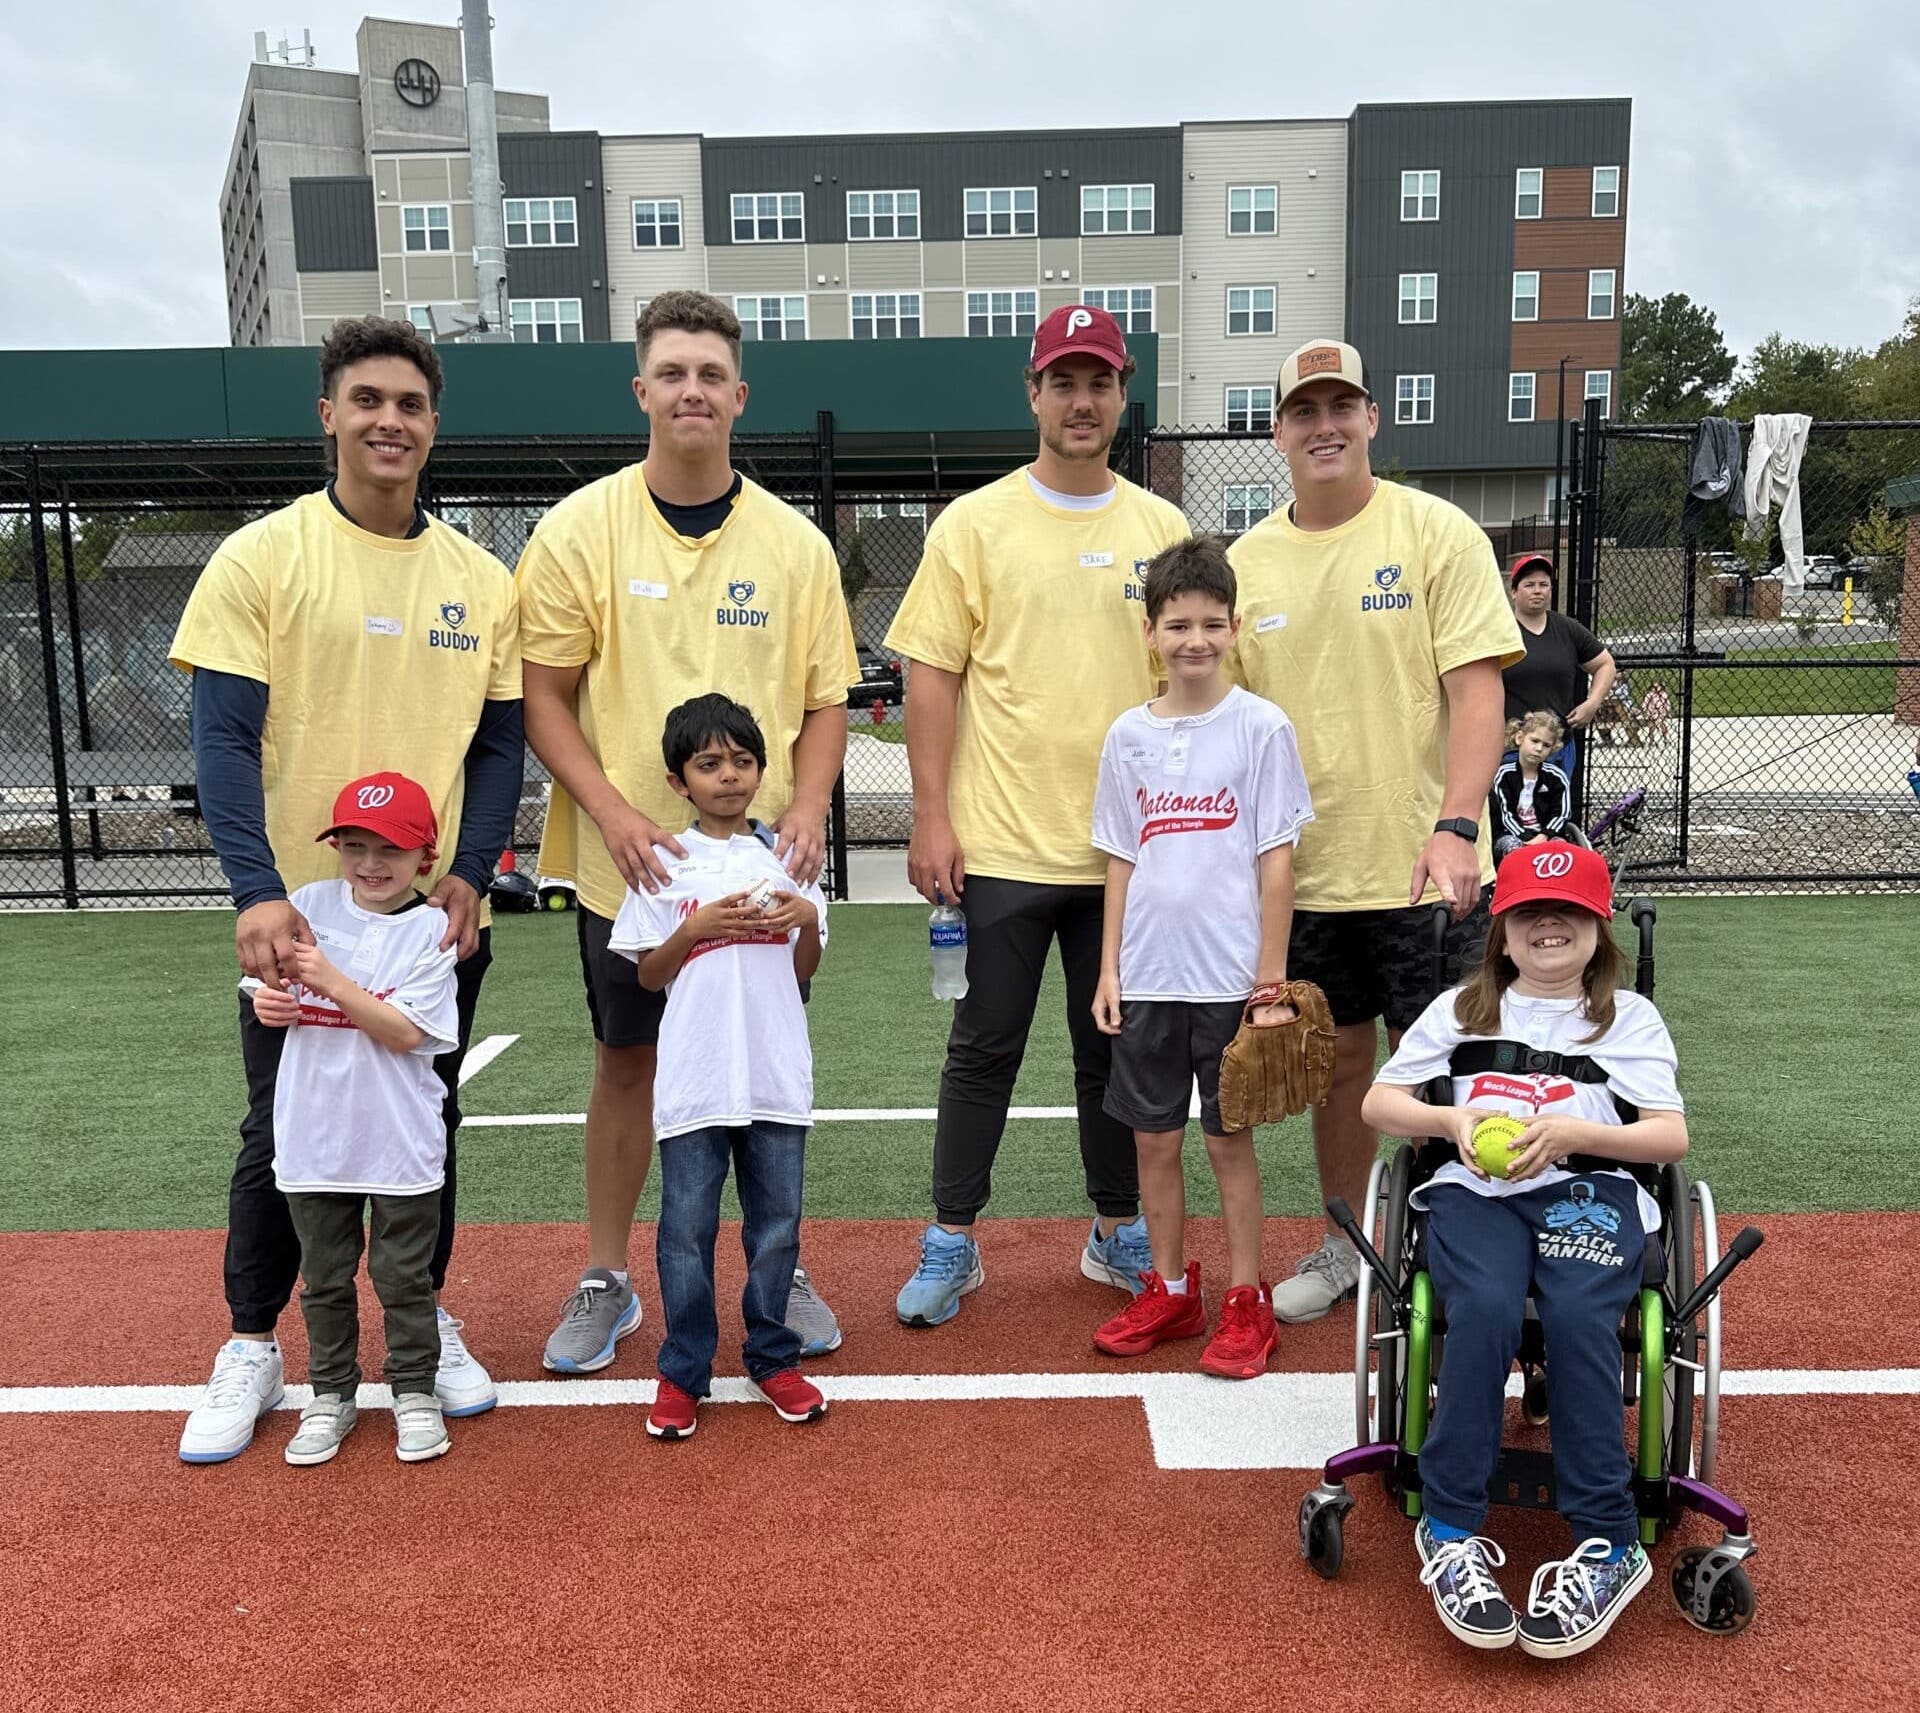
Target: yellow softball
<point>1494,1141</point>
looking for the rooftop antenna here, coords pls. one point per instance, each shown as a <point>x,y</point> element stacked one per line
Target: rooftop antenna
<point>284,53</point>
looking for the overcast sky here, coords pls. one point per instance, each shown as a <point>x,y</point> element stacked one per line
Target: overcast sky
<point>1776,148</point>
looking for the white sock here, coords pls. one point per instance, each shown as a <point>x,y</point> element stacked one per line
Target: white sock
<point>620,1274</point>
<point>1177,1287</point>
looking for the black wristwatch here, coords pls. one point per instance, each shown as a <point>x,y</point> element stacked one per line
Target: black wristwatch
<point>1460,827</point>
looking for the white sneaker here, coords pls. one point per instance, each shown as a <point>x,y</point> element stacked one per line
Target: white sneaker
<point>1329,1275</point>
<point>423,1434</point>
<point>463,1387</point>
<point>248,1380</point>
<point>324,1423</point>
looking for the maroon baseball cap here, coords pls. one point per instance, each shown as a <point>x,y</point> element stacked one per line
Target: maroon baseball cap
<point>1078,329</point>
<point>1557,872</point>
<point>390,805</point>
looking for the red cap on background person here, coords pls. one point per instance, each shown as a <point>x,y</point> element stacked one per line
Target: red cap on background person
<point>1554,872</point>
<point>1529,562</point>
<point>1078,329</point>
<point>390,806</point>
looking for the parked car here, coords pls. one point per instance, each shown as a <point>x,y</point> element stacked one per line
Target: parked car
<point>1824,571</point>
<point>881,677</point>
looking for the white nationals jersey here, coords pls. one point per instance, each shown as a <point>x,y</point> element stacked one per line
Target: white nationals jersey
<point>1193,802</point>
<point>348,1113</point>
<point>733,1041</point>
<point>1636,1053</point>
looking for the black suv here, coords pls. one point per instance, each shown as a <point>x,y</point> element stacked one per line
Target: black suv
<point>881,679</point>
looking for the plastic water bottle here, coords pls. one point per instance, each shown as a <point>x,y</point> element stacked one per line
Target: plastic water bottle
<point>947,938</point>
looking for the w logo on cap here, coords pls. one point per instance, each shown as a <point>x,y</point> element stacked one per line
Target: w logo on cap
<point>1553,865</point>
<point>374,796</point>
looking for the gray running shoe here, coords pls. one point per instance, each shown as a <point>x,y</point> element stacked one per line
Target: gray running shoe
<point>811,1318</point>
<point>421,1428</point>
<point>1328,1276</point>
<point>600,1313</point>
<point>324,1423</point>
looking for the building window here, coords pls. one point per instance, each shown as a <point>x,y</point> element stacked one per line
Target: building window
<point>545,320</point>
<point>1114,209</point>
<point>1253,210</point>
<point>886,315</point>
<point>1526,297</point>
<point>771,317</point>
<point>656,224</point>
<point>1001,213</point>
<point>778,217</point>
<point>1520,398</point>
<point>1413,399</point>
<point>1606,193</point>
<point>873,214</point>
<point>1600,386</point>
<point>1250,309</point>
<point>1419,196</point>
<point>541,223</point>
<point>1001,314</point>
<point>1419,297</point>
<point>1527,193</point>
<point>1250,408</point>
<point>1244,505</point>
<point>418,314</point>
<point>426,227</point>
<point>1600,294</point>
<point>869,511</point>
<point>1131,306</point>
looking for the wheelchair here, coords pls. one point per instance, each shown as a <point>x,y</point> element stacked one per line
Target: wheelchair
<point>1670,1369</point>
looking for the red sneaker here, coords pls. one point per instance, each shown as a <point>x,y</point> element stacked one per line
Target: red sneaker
<point>674,1414</point>
<point>1155,1316</point>
<point>794,1397</point>
<point>1245,1336</point>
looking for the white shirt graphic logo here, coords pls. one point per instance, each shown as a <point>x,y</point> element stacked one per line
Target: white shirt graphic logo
<point>1553,865</point>
<point>374,796</point>
<point>1078,319</point>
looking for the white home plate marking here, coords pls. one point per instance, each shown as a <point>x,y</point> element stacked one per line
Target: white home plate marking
<point>482,1053</point>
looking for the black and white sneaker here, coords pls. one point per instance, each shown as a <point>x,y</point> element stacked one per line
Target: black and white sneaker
<point>1465,1594</point>
<point>1574,1601</point>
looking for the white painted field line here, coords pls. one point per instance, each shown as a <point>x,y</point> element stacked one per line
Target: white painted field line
<point>822,1115</point>
<point>1278,1421</point>
<point>482,1053</point>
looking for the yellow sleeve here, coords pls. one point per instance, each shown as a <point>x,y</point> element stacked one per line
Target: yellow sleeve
<point>1472,617</point>
<point>556,620</point>
<point>935,624</point>
<point>226,625</point>
<point>832,663</point>
<point>503,675</point>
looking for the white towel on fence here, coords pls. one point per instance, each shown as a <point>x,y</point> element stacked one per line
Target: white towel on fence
<point>1773,478</point>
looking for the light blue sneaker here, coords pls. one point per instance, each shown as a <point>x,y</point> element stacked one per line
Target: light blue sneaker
<point>1119,1260</point>
<point>949,1268</point>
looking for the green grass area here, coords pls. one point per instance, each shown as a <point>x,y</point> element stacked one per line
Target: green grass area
<point>125,1089</point>
<point>888,731</point>
<point>1845,687</point>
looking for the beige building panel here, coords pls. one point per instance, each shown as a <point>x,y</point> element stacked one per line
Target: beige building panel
<point>1166,313</point>
<point>646,169</point>
<point>386,181</point>
<point>756,267</point>
<point>424,178</point>
<point>314,329</point>
<point>393,284</point>
<point>828,317</point>
<point>1062,255</point>
<point>460,178</point>
<point>463,228</point>
<point>330,294</point>
<point>466,286</point>
<point>386,223</point>
<point>1129,261</point>
<point>887,266</point>
<point>430,279</point>
<point>1057,297</point>
<point>944,314</point>
<point>943,264</point>
<point>829,260</point>
<point>1306,162</point>
<point>1002,261</point>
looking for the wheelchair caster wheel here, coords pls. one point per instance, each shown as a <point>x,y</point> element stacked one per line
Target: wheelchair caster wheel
<point>1712,1590</point>
<point>1323,1533</point>
<point>1533,1398</point>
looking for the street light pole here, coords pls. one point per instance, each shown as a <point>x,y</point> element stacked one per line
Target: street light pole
<point>1559,453</point>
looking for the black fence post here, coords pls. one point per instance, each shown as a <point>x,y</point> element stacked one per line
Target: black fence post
<point>1137,443</point>
<point>50,667</point>
<point>830,527</point>
<point>84,722</point>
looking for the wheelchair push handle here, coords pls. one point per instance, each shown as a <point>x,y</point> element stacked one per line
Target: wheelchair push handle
<point>1342,1216</point>
<point>1740,1249</point>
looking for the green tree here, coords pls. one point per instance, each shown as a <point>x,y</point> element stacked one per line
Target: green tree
<point>1674,364</point>
<point>1892,381</point>
<point>855,573</point>
<point>1825,382</point>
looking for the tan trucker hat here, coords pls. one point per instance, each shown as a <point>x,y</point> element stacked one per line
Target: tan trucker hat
<point>1322,360</point>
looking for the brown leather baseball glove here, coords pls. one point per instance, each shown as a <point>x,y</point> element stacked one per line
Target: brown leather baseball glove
<point>1271,1071</point>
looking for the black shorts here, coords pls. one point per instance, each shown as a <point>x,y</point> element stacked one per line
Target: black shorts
<point>1165,1046</point>
<point>1380,963</point>
<point>624,1013</point>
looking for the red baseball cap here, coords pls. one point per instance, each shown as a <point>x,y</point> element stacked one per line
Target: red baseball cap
<point>1527,563</point>
<point>1076,328</point>
<point>391,805</point>
<point>1554,872</point>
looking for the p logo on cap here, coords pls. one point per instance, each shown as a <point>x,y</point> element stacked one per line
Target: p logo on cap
<point>1079,329</point>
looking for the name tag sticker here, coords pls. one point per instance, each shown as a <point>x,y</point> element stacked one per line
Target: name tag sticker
<point>1140,752</point>
<point>1272,621</point>
<point>367,953</point>
<point>1177,752</point>
<point>1089,560</point>
<point>652,591</point>
<point>377,626</point>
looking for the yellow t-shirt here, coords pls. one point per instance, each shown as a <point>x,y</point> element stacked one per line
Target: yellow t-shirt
<point>1040,609</point>
<point>753,610</point>
<point>1349,630</point>
<point>377,654</point>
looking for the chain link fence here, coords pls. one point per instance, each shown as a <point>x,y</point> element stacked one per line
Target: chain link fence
<point>1769,718</point>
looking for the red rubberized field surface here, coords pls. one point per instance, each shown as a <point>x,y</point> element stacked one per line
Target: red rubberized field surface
<point>997,1553</point>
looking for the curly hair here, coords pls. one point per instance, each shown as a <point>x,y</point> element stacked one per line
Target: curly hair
<point>687,312</point>
<point>355,340</point>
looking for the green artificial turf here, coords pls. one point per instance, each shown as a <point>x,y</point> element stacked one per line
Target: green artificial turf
<point>1793,1018</point>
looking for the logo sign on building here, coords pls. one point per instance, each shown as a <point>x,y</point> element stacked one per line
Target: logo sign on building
<point>416,83</point>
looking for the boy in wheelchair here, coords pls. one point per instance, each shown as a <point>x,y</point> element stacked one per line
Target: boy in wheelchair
<point>1565,1227</point>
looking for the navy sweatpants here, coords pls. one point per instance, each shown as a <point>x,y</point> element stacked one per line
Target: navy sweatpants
<point>1575,1247</point>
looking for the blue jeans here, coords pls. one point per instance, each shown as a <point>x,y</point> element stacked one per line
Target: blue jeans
<point>1575,1247</point>
<point>767,1162</point>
